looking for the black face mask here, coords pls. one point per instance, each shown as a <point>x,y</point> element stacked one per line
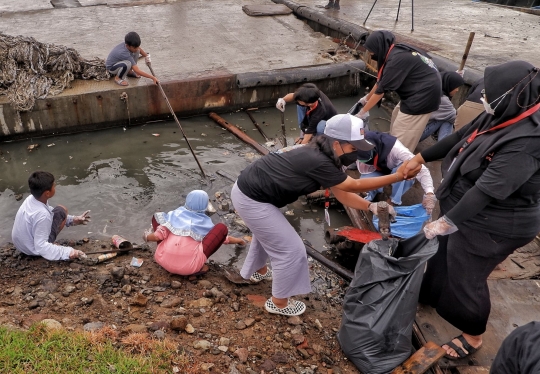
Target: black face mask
<point>348,158</point>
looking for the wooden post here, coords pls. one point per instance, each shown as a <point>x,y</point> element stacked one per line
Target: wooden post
<point>422,360</point>
<point>466,53</point>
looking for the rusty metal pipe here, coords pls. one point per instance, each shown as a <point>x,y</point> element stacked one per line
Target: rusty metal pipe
<point>238,133</point>
<point>339,270</point>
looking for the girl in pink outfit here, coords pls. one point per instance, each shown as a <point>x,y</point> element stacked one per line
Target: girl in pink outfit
<point>187,237</point>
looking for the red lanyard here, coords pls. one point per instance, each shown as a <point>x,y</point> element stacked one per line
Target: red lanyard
<point>376,162</point>
<point>313,107</point>
<point>501,126</point>
<point>385,58</point>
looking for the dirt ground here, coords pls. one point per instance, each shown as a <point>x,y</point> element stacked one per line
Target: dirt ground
<point>221,324</point>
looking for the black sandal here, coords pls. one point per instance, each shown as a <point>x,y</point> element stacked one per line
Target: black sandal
<point>459,350</point>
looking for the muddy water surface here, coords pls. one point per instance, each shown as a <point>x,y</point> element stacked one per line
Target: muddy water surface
<point>124,175</point>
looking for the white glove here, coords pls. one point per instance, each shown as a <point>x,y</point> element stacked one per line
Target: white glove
<point>83,219</point>
<point>145,235</point>
<point>461,72</point>
<point>391,211</point>
<point>147,59</point>
<point>363,100</point>
<point>363,115</point>
<point>281,104</point>
<point>75,253</point>
<point>442,226</point>
<point>428,202</point>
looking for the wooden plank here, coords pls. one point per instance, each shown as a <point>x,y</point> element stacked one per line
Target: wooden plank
<point>524,263</point>
<point>473,370</point>
<point>422,360</point>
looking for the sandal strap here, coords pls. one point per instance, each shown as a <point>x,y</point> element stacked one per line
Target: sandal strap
<point>469,348</point>
<point>461,353</point>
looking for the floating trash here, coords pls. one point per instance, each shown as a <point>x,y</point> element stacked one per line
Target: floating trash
<point>136,262</point>
<point>32,146</point>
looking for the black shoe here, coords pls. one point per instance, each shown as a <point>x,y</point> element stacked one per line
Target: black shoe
<point>330,5</point>
<point>336,5</point>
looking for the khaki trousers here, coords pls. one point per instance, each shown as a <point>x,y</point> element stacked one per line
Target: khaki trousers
<point>466,113</point>
<point>408,128</point>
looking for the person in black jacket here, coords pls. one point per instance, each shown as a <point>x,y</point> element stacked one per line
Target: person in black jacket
<point>413,76</point>
<point>489,199</point>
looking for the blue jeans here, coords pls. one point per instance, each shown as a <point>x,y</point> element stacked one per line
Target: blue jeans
<point>301,113</point>
<point>444,128</point>
<point>398,188</point>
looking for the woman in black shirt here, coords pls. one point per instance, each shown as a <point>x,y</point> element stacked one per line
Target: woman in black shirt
<point>489,198</point>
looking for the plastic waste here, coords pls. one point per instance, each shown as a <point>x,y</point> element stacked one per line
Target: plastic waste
<point>409,221</point>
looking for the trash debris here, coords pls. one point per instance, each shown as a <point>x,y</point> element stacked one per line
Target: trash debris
<point>32,146</point>
<point>136,262</point>
<point>18,197</point>
<point>293,128</point>
<point>24,163</point>
<point>270,144</point>
<point>203,134</point>
<point>70,157</point>
<point>289,213</point>
<point>51,145</point>
<point>120,242</point>
<point>155,134</point>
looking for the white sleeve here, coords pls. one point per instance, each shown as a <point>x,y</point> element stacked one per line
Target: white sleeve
<point>49,251</point>
<point>399,154</point>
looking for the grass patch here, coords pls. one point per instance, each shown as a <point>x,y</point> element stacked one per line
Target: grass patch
<point>39,350</point>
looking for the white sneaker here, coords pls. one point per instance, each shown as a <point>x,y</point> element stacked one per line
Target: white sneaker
<point>293,308</point>
<point>258,277</point>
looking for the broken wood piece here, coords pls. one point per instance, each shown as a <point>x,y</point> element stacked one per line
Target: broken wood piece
<point>257,126</point>
<point>238,133</point>
<point>422,360</point>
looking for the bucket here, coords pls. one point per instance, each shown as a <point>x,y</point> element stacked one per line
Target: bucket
<point>120,242</point>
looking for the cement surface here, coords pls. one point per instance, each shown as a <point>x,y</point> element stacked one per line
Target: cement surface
<point>501,34</point>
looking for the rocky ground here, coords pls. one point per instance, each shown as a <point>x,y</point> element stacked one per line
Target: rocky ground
<point>223,326</point>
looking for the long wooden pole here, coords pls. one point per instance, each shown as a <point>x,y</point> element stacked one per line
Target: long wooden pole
<point>283,129</point>
<point>466,53</point>
<point>177,121</point>
<point>257,126</point>
<point>238,133</point>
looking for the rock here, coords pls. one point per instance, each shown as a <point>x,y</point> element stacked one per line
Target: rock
<point>206,366</point>
<point>176,285</point>
<point>179,323</point>
<point>223,348</point>
<point>200,303</point>
<point>242,354</point>
<point>257,300</point>
<point>68,290</point>
<point>240,325</point>
<point>233,369</point>
<point>294,320</point>
<point>190,329</point>
<point>327,360</point>
<point>224,341</point>
<point>33,304</point>
<point>93,326</point>
<point>286,345</point>
<point>49,285</point>
<point>126,289</point>
<point>159,334</point>
<point>249,322</point>
<point>236,306</point>
<point>336,370</point>
<point>87,300</point>
<point>139,300</point>
<point>202,344</point>
<point>318,325</point>
<point>135,328</point>
<point>171,303</point>
<point>298,339</point>
<point>204,283</point>
<point>280,357</point>
<point>117,272</point>
<point>158,325</point>
<point>52,324</point>
<point>267,366</point>
<point>303,353</point>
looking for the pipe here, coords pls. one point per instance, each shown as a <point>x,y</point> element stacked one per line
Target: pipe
<point>338,269</point>
<point>257,126</point>
<point>238,133</point>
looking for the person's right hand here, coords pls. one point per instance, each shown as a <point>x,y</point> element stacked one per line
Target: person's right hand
<point>281,104</point>
<point>363,115</point>
<point>363,100</point>
<point>147,59</point>
<point>409,169</point>
<point>156,81</point>
<point>442,226</point>
<point>75,253</point>
<point>298,140</point>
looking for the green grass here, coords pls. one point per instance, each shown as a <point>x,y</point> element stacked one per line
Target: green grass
<point>39,350</point>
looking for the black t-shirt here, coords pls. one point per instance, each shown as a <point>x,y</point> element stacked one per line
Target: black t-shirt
<point>324,111</point>
<point>279,179</point>
<point>415,79</point>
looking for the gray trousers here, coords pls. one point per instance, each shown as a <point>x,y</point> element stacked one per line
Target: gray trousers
<point>276,240</point>
<point>121,68</point>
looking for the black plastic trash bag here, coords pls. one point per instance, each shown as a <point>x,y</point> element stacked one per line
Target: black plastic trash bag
<point>380,305</point>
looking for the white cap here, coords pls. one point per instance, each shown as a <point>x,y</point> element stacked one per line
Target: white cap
<point>344,127</point>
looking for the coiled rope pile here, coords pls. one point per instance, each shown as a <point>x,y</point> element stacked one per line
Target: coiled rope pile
<point>31,70</point>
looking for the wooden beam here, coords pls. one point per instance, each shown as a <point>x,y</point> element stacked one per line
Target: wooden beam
<point>422,360</point>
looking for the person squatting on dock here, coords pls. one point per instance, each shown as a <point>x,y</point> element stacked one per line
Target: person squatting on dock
<point>413,76</point>
<point>187,237</point>
<point>313,109</point>
<point>278,179</point>
<point>122,60</point>
<point>385,158</point>
<point>441,121</point>
<point>37,224</point>
<point>489,200</point>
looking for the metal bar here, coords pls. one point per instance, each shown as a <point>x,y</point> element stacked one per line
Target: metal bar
<point>283,129</point>
<point>373,6</point>
<point>116,250</point>
<point>398,8</point>
<point>339,270</point>
<point>412,16</point>
<point>177,121</point>
<point>238,133</point>
<point>257,126</point>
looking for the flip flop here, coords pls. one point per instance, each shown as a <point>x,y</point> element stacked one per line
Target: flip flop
<point>459,350</point>
<point>121,82</point>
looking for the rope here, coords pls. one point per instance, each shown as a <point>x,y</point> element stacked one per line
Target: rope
<point>31,70</point>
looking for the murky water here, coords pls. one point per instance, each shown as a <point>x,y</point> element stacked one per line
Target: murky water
<point>124,175</point>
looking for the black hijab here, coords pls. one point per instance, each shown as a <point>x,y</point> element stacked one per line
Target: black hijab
<point>383,145</point>
<point>379,43</point>
<point>519,353</point>
<point>450,81</point>
<point>523,79</point>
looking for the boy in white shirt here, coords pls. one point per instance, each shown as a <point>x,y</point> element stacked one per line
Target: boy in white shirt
<point>37,224</point>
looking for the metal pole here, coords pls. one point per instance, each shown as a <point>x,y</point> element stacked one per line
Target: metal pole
<point>177,121</point>
<point>398,8</point>
<point>283,129</point>
<point>412,16</point>
<point>257,126</point>
<point>373,6</point>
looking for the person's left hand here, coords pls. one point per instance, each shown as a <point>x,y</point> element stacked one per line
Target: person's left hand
<point>409,169</point>
<point>83,219</point>
<point>147,59</point>
<point>363,115</point>
<point>428,202</point>
<point>461,72</point>
<point>391,211</point>
<point>442,226</point>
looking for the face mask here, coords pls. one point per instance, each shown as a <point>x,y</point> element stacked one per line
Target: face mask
<point>487,106</point>
<point>347,158</point>
<point>369,158</point>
